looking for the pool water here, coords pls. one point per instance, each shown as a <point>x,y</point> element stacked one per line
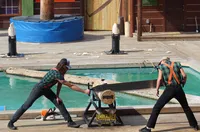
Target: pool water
<point>15,89</point>
<point>139,74</point>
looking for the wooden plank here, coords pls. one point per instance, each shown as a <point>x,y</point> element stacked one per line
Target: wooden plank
<point>152,15</point>
<point>155,28</point>
<point>192,2</point>
<point>192,14</point>
<point>68,11</point>
<point>5,22</point>
<point>193,7</point>
<point>192,20</point>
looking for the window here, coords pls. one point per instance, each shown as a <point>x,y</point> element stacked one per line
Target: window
<point>9,7</point>
<point>149,2</point>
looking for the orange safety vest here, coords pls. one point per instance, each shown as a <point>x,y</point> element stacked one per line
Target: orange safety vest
<point>171,73</point>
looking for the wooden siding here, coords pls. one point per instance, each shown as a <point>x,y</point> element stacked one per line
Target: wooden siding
<point>174,15</point>
<point>4,21</point>
<point>170,15</point>
<point>155,15</point>
<point>104,19</point>
<point>74,8</point>
<point>192,9</point>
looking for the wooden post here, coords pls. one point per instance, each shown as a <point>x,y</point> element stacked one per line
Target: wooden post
<point>139,14</point>
<point>132,24</point>
<point>125,10</point>
<point>46,9</point>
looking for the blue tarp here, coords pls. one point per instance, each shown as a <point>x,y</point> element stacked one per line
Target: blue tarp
<point>61,29</point>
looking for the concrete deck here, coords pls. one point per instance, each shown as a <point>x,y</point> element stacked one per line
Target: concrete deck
<point>89,53</point>
<point>165,123</point>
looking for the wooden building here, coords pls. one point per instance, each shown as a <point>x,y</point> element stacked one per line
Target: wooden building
<point>157,15</point>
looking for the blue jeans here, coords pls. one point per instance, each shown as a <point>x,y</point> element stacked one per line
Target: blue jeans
<point>169,93</point>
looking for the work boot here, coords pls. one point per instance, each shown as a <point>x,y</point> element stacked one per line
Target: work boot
<point>11,126</point>
<point>196,128</point>
<point>73,124</point>
<point>145,129</point>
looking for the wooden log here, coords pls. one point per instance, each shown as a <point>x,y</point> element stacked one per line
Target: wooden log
<point>46,9</point>
<point>107,96</point>
<point>40,74</point>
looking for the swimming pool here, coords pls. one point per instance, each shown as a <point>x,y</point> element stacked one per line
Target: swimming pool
<point>15,89</point>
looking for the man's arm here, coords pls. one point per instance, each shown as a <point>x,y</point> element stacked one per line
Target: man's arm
<point>159,80</point>
<point>184,76</point>
<point>58,92</point>
<point>74,87</point>
<point>58,88</point>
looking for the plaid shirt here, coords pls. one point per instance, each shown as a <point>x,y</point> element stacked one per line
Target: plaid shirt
<point>165,72</point>
<point>50,79</point>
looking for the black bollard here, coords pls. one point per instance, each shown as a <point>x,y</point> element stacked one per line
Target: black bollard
<point>12,46</point>
<point>11,41</point>
<point>115,43</point>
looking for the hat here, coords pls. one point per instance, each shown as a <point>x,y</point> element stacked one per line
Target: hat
<point>65,62</point>
<point>165,58</point>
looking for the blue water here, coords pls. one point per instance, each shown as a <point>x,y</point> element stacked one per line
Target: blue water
<point>15,89</point>
<point>137,74</point>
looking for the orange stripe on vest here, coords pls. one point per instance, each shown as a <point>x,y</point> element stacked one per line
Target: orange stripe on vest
<point>171,73</point>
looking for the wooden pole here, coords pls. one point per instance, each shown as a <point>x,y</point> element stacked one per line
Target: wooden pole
<point>120,8</point>
<point>46,9</point>
<point>125,10</point>
<point>139,14</point>
<point>132,24</point>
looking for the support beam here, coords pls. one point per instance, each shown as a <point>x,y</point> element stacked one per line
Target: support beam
<point>139,23</point>
<point>46,9</point>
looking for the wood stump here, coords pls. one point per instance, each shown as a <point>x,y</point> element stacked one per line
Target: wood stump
<point>107,96</point>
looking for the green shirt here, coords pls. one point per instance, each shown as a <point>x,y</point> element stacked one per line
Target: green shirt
<point>51,78</point>
<point>165,72</point>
